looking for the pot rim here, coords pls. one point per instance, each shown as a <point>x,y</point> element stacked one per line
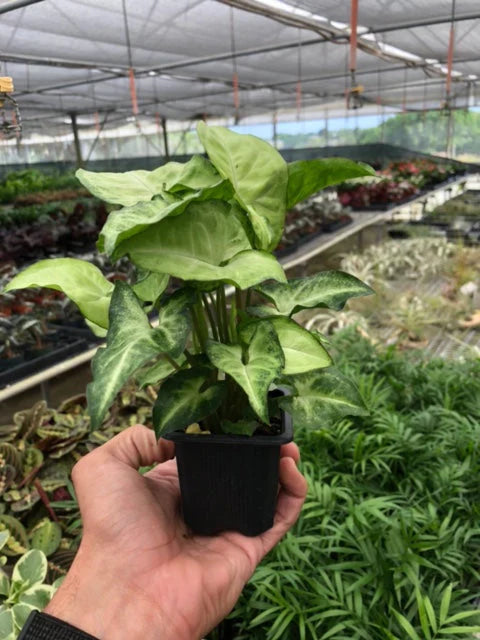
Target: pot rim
<point>226,438</point>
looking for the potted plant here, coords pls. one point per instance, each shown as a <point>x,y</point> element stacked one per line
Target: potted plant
<point>225,338</point>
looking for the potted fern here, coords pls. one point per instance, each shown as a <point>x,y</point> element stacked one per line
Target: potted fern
<point>232,361</point>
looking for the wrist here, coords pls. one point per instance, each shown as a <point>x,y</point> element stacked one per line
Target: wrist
<point>93,599</point>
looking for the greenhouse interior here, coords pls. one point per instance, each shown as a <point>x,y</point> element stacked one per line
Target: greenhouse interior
<point>251,227</point>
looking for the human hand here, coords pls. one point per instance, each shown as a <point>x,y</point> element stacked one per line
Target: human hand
<point>139,573</point>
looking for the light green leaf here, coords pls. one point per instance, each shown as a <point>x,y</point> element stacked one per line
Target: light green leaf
<point>208,243</point>
<point>445,604</point>
<point>141,186</point>
<point>185,398</point>
<point>407,627</point>
<point>160,370</point>
<point>131,342</point>
<point>240,428</point>
<point>150,286</point>
<point>130,221</point>
<point>329,289</point>
<point>259,177</point>
<point>306,177</point>
<point>30,569</point>
<point>255,370</point>
<point>322,397</point>
<point>4,584</point>
<point>4,536</point>
<point>20,614</point>
<point>38,596</point>
<point>7,626</point>
<point>79,280</point>
<point>98,331</point>
<point>46,536</point>
<point>302,351</point>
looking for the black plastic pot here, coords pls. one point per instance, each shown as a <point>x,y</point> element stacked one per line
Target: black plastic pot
<point>229,482</point>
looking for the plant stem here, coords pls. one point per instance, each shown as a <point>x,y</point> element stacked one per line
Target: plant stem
<point>210,316</point>
<point>238,299</point>
<point>174,364</point>
<point>233,320</point>
<point>223,311</point>
<point>221,326</point>
<point>201,324</point>
<point>248,301</point>
<point>189,357</point>
<point>195,332</point>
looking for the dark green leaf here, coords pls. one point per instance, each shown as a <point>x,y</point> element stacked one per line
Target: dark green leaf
<point>321,397</point>
<point>131,342</point>
<point>254,371</point>
<point>185,398</point>
<point>329,289</point>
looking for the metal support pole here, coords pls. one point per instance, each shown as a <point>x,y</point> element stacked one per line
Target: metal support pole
<point>76,140</point>
<point>165,138</point>
<point>16,4</point>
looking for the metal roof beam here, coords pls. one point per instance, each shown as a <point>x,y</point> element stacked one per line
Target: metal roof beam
<point>16,4</point>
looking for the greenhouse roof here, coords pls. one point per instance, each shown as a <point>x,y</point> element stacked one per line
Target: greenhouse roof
<point>74,56</point>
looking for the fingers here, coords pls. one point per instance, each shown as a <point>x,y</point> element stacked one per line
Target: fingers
<point>291,497</point>
<point>290,450</point>
<point>138,447</point>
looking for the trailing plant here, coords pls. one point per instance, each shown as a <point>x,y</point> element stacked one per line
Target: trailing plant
<point>212,224</point>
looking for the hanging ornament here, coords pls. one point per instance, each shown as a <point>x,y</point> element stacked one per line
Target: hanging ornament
<point>10,119</point>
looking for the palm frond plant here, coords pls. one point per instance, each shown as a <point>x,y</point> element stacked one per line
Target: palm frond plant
<point>212,224</point>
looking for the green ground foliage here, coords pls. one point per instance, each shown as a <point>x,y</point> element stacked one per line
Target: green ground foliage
<point>388,544</point>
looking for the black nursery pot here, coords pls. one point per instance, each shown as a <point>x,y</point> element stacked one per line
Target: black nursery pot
<point>229,482</point>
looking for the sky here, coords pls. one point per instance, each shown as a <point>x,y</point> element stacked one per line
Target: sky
<point>310,126</point>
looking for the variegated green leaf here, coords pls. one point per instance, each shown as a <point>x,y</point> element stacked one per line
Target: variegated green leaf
<point>254,370</point>
<point>20,613</point>
<point>79,280</point>
<point>302,351</point>
<point>30,569</point>
<point>186,397</point>
<point>46,536</point>
<point>131,342</point>
<point>259,177</point>
<point>329,289</point>
<point>37,596</point>
<point>17,543</point>
<point>207,243</point>
<point>7,626</point>
<point>322,397</point>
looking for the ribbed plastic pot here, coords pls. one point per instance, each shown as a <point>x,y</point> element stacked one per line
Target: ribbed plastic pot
<point>228,482</point>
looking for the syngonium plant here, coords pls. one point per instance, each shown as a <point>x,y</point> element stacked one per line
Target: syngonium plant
<point>227,335</point>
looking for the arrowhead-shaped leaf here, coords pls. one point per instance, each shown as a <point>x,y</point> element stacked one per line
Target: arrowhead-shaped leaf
<point>131,342</point>
<point>207,242</point>
<point>259,177</point>
<point>174,321</point>
<point>255,370</point>
<point>141,186</point>
<point>79,280</point>
<point>302,351</point>
<point>322,397</point>
<point>130,221</point>
<point>185,398</point>
<point>329,289</point>
<point>150,285</point>
<point>306,177</point>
